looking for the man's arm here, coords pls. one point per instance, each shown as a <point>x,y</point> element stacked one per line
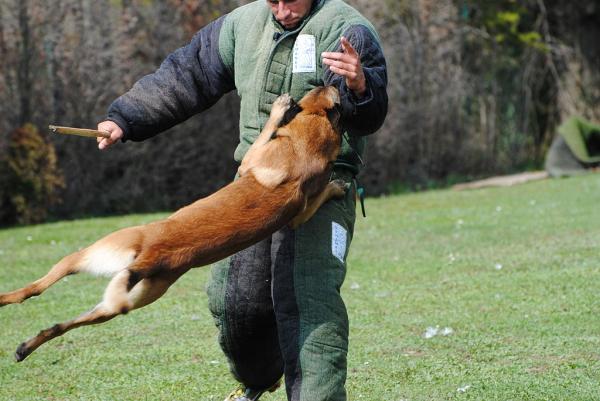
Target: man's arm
<point>358,69</point>
<point>189,81</point>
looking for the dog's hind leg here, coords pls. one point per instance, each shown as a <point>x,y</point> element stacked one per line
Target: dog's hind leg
<point>68,265</point>
<point>150,289</point>
<point>114,303</point>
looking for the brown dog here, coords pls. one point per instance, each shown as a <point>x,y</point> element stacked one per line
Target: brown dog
<point>284,178</point>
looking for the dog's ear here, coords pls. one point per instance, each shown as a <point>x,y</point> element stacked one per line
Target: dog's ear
<point>334,116</point>
<point>289,115</point>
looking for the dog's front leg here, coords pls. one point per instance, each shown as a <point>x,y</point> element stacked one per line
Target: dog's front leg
<point>281,105</point>
<point>278,110</point>
<point>334,189</point>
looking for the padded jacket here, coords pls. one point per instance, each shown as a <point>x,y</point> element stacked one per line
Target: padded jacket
<point>249,51</point>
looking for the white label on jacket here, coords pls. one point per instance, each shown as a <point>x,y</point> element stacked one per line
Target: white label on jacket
<point>305,54</point>
<point>339,237</point>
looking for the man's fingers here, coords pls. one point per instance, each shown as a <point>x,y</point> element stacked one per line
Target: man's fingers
<point>106,142</point>
<point>347,47</point>
<point>115,134</point>
<point>103,143</point>
<point>341,65</point>
<point>347,64</point>
<point>348,74</point>
<point>337,55</point>
<point>341,56</point>
<point>347,60</point>
<point>340,60</point>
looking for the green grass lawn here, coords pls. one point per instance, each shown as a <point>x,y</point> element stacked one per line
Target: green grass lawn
<point>514,273</point>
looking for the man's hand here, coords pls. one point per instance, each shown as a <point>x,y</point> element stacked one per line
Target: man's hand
<point>347,64</point>
<point>113,129</point>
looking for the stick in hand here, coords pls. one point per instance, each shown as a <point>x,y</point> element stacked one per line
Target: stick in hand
<point>90,133</point>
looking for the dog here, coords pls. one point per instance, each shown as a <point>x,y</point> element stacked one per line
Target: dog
<point>283,179</point>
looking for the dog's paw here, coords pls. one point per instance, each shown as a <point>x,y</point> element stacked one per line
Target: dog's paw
<point>282,103</point>
<point>338,188</point>
<point>22,352</point>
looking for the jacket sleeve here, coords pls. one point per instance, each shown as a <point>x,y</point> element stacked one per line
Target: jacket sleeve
<point>363,116</point>
<point>189,81</point>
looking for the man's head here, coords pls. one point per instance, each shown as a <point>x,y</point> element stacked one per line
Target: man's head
<point>290,13</point>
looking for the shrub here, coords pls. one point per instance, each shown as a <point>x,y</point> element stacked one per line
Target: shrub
<point>30,180</point>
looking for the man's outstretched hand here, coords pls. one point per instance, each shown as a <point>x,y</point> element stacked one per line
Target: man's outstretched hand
<point>347,64</point>
<point>116,133</point>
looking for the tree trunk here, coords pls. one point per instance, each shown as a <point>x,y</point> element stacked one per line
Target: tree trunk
<point>23,74</point>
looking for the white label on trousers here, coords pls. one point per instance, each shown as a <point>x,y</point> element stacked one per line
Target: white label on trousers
<point>339,237</point>
<point>305,54</point>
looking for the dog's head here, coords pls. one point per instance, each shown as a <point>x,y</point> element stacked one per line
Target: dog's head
<point>323,101</point>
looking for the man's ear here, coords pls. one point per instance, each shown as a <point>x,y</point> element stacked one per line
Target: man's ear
<point>289,115</point>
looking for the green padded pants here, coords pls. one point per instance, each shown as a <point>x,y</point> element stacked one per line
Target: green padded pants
<point>278,307</point>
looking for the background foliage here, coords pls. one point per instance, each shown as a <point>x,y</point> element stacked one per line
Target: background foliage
<point>476,88</point>
<point>29,178</point>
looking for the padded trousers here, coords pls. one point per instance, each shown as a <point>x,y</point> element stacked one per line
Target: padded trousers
<point>278,307</point>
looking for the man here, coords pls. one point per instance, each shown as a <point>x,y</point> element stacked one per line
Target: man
<point>277,304</point>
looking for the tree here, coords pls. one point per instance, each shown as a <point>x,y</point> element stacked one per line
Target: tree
<point>30,179</point>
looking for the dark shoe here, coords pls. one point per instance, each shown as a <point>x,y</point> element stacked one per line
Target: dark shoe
<point>247,394</point>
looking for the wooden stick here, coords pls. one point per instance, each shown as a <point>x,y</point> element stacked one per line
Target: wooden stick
<point>90,133</point>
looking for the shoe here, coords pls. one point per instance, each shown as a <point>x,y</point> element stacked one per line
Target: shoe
<point>248,394</point>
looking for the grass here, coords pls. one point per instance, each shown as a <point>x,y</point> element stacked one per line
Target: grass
<point>514,272</point>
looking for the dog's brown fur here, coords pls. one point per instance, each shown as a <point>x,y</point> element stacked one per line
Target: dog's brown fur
<point>284,178</point>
